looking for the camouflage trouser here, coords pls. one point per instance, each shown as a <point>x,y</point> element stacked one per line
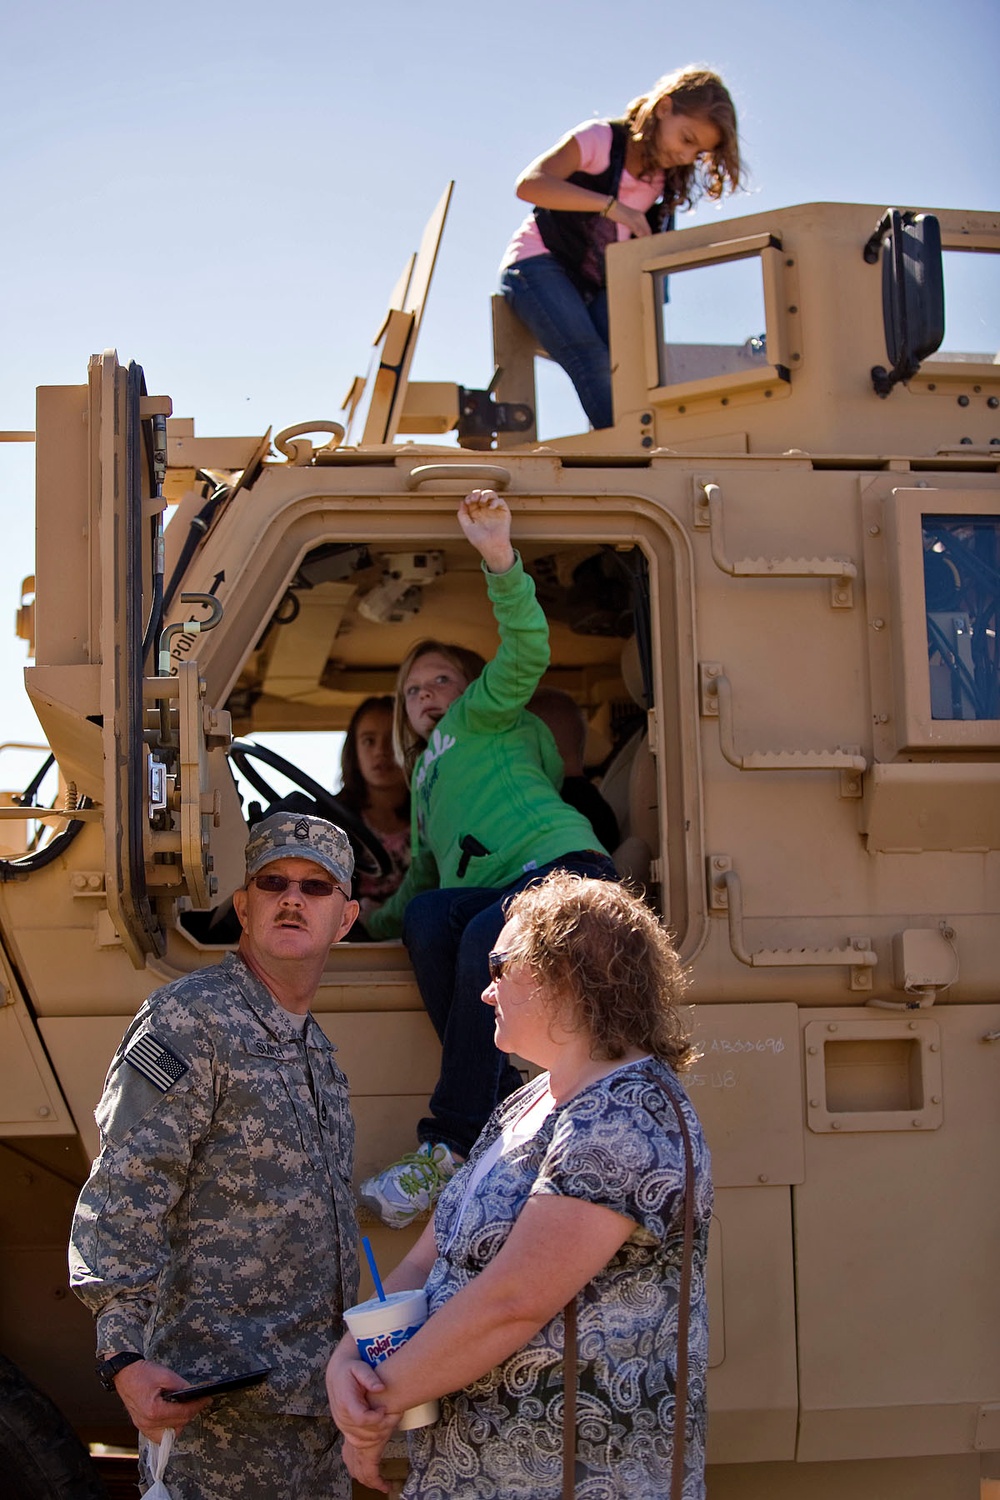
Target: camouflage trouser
<point>226,1454</point>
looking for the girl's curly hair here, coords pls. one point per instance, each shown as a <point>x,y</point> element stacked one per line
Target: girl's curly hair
<point>703,95</point>
<point>606,959</point>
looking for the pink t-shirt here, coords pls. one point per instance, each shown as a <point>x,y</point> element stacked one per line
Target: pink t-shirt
<point>593,138</point>
<point>378,888</point>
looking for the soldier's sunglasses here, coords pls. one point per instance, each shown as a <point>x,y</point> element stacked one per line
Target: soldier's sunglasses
<point>497,962</point>
<point>311,886</point>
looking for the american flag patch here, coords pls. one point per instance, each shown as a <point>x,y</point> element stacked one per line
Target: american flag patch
<point>155,1061</point>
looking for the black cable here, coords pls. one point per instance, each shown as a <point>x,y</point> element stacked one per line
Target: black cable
<point>130,732</point>
<point>27,797</point>
<point>13,869</point>
<point>939,642</point>
<point>154,627</point>
<point>965,557</point>
<point>197,530</point>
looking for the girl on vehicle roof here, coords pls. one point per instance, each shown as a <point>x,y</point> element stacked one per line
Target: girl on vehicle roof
<point>609,180</point>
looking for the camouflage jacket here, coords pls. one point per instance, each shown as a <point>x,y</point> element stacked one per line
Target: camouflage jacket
<point>217,1230</point>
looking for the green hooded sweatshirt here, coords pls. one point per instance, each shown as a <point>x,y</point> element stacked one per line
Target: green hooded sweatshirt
<point>490,770</point>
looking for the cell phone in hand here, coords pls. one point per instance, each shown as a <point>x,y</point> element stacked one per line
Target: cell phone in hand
<point>217,1385</point>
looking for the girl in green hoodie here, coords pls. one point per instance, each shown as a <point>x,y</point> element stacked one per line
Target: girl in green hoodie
<point>487,821</point>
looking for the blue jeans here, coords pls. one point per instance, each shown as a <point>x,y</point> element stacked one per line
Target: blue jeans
<point>571,327</point>
<point>449,934</point>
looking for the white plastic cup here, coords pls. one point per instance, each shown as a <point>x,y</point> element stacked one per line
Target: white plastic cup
<point>380,1328</point>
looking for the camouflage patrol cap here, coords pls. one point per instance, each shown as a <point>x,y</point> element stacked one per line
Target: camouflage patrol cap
<point>295,836</point>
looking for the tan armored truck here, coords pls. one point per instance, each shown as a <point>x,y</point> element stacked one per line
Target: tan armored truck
<point>773,588</point>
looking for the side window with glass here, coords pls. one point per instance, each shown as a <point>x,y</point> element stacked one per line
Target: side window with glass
<point>713,321</point>
<point>962,595</point>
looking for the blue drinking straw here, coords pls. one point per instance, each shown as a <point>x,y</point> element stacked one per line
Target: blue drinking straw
<point>366,1242</point>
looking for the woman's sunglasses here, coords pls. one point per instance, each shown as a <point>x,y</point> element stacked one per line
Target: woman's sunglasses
<point>498,962</point>
<point>311,886</point>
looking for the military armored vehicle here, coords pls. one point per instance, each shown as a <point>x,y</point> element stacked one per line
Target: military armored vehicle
<point>773,588</point>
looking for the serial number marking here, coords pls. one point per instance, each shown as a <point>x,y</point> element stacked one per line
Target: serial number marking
<point>718,1080</point>
<point>772,1044</point>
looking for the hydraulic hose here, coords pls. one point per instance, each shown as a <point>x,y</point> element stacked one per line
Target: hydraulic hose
<point>196,531</point>
<point>17,869</point>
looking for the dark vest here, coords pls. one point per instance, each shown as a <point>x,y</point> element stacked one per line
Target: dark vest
<point>578,241</point>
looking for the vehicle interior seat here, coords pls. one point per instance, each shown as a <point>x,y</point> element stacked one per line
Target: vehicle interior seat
<point>629,785</point>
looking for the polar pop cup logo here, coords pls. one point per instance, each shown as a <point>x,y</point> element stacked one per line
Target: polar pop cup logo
<point>376,1349</point>
<point>380,1328</point>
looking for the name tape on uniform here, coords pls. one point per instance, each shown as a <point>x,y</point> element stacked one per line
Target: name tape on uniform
<point>155,1062</point>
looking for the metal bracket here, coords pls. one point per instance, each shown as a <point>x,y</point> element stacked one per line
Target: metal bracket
<point>157,786</point>
<point>708,516</point>
<point>725,894</point>
<point>480,415</point>
<point>851,784</point>
<point>195,816</point>
<point>716,694</point>
<point>218,727</point>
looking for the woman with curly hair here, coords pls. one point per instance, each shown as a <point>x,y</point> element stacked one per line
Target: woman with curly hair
<point>610,180</point>
<point>585,1205</point>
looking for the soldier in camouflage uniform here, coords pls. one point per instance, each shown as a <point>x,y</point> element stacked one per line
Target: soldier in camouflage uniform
<point>217,1231</point>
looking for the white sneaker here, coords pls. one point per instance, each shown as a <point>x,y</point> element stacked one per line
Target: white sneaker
<point>410,1186</point>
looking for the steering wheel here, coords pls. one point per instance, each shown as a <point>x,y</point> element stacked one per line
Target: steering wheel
<point>369,852</point>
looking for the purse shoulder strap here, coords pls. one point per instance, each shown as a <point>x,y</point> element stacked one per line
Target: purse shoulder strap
<point>570,1375</point>
<point>569,1400</point>
<point>683,1312</point>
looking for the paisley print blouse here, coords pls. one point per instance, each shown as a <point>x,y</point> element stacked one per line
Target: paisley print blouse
<point>616,1143</point>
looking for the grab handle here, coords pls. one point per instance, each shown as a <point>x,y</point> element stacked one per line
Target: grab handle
<point>496,477</point>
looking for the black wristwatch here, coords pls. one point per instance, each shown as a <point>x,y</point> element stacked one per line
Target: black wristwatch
<point>109,1368</point>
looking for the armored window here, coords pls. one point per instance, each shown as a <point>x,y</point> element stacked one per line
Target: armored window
<point>712,321</point>
<point>962,601</point>
<point>944,581</point>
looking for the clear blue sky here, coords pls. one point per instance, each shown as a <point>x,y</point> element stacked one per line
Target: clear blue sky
<point>227,192</point>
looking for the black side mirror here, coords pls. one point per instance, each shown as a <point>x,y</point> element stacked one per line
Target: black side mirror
<point>912,292</point>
